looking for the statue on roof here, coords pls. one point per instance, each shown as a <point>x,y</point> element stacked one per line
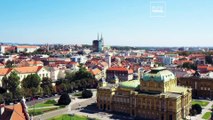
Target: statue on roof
<point>197,74</point>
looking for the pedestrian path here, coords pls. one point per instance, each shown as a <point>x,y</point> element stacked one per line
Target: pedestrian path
<point>204,110</point>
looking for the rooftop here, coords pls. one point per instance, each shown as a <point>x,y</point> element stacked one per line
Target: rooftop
<point>159,74</point>
<point>132,84</point>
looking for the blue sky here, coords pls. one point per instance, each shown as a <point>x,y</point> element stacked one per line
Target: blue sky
<point>122,22</point>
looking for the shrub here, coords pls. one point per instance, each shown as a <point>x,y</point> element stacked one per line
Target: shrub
<point>64,99</point>
<point>87,94</point>
<point>196,109</point>
<point>2,90</point>
<point>50,102</point>
<point>35,113</point>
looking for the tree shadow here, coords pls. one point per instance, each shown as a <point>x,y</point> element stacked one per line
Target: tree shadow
<point>93,109</point>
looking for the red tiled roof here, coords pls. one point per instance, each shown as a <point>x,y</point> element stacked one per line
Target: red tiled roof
<point>95,71</point>
<point>104,64</point>
<point>14,112</point>
<point>26,46</point>
<point>120,69</point>
<point>210,68</point>
<point>202,66</point>
<point>34,62</point>
<point>73,63</point>
<point>32,69</point>
<point>4,71</point>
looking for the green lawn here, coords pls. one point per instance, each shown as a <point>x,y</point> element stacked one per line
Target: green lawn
<point>207,115</point>
<point>40,111</point>
<point>69,117</point>
<point>38,105</point>
<point>77,94</point>
<point>201,103</point>
<point>33,110</point>
<point>44,104</point>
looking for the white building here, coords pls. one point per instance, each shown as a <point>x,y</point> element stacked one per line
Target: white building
<point>168,59</point>
<point>27,49</point>
<point>23,72</point>
<point>79,59</point>
<point>2,49</point>
<point>108,59</point>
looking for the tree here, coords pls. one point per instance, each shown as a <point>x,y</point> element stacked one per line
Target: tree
<point>5,82</point>
<point>209,59</point>
<point>87,94</point>
<point>184,53</point>
<point>13,82</point>
<point>64,99</point>
<point>2,90</point>
<point>32,83</point>
<point>82,73</point>
<point>189,65</point>
<point>9,64</point>
<point>1,99</point>
<point>69,75</point>
<point>47,86</point>
<point>196,109</point>
<point>7,98</point>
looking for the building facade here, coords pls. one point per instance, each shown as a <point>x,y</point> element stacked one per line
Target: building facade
<point>27,49</point>
<point>156,96</point>
<point>201,87</point>
<point>122,73</point>
<point>23,72</point>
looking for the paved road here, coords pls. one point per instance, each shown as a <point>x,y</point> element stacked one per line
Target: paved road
<point>86,107</point>
<point>67,110</point>
<point>33,102</point>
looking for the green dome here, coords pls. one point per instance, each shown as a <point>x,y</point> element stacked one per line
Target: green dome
<point>159,74</point>
<point>132,84</point>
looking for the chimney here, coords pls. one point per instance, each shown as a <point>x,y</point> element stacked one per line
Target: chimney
<point>1,109</point>
<point>24,107</point>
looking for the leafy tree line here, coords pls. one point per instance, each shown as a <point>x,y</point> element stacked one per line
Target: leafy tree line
<point>79,80</point>
<point>31,86</point>
<point>189,65</point>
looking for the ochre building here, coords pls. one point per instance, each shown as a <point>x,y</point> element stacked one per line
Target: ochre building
<point>156,96</point>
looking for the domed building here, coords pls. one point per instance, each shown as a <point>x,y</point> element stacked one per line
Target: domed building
<point>156,96</point>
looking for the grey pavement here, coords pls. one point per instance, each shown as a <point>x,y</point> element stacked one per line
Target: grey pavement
<point>67,110</point>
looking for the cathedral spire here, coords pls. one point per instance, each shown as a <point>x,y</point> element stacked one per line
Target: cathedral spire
<point>101,37</point>
<point>97,36</point>
<point>102,40</point>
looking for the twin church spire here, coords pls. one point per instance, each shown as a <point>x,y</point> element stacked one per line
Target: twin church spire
<point>101,38</point>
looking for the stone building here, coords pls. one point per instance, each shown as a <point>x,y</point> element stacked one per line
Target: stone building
<point>156,96</point>
<point>202,87</point>
<point>122,73</point>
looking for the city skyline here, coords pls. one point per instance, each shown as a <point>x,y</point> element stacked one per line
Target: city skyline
<point>125,23</point>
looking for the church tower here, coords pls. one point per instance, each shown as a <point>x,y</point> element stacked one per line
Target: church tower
<point>102,40</point>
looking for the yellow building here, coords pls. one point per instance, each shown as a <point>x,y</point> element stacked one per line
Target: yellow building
<point>156,96</point>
